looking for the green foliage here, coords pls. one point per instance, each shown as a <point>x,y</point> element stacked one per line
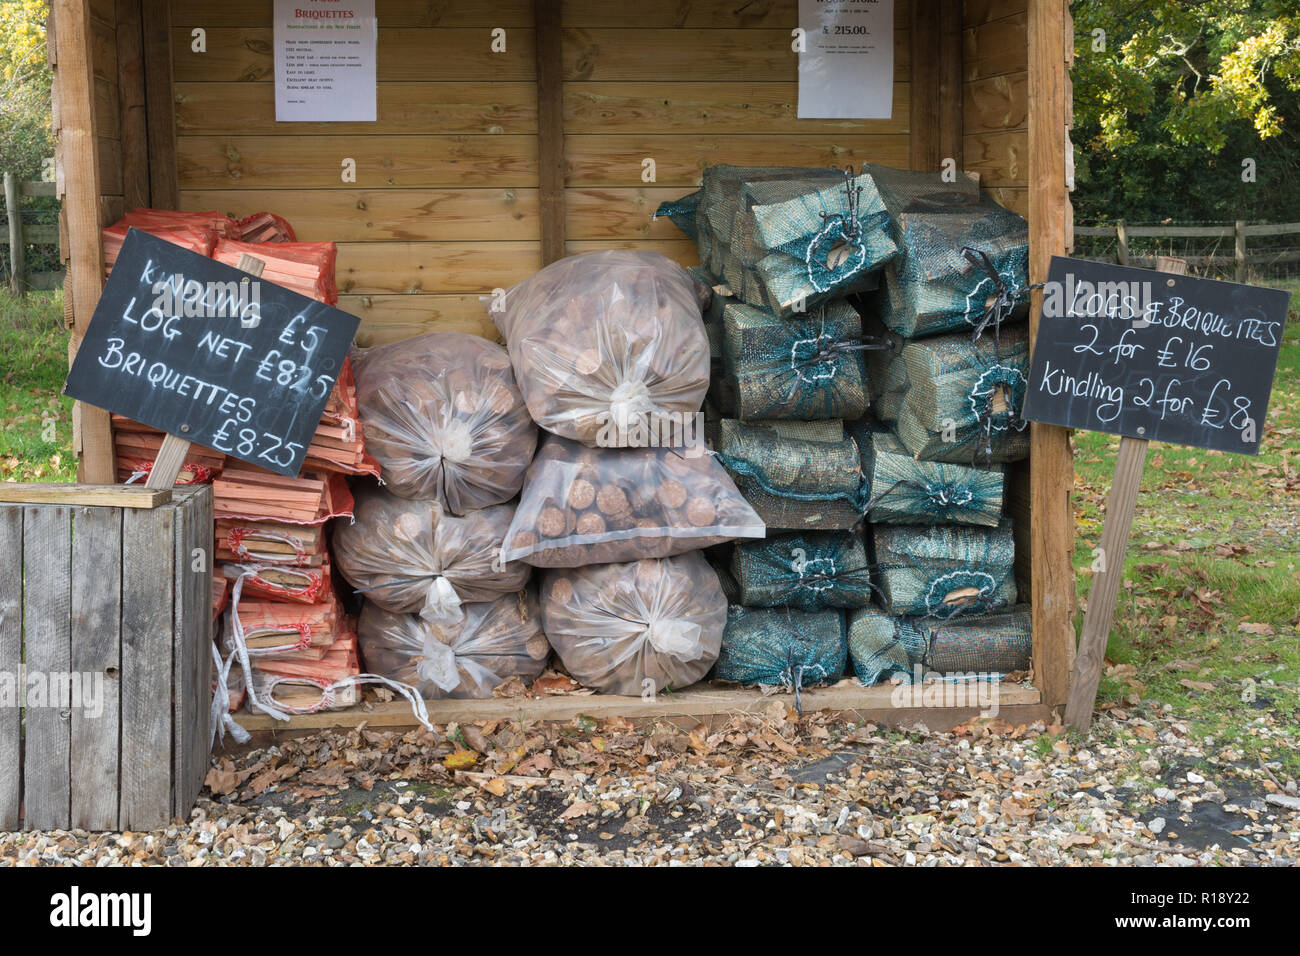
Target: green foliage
<point>1178,95</point>
<point>25,135</point>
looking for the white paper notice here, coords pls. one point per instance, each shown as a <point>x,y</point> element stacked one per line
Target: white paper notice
<point>846,69</point>
<point>325,61</point>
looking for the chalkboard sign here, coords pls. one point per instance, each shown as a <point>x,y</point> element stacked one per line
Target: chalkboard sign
<point>211,354</point>
<point>1157,356</point>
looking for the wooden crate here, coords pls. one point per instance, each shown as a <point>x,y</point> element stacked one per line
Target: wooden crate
<point>101,592</point>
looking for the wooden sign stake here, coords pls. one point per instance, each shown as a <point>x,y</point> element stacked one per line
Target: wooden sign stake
<point>1121,503</point>
<point>166,467</point>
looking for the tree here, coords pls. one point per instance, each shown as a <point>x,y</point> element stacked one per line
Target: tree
<point>1172,95</point>
<point>26,138</point>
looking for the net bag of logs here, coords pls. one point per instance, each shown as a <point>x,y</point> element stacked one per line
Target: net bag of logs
<point>961,400</point>
<point>782,647</point>
<point>812,571</point>
<point>445,420</point>
<point>638,627</point>
<point>807,483</point>
<point>899,489</point>
<point>412,557</point>
<point>962,258</point>
<point>605,343</point>
<point>495,640</point>
<point>585,505</point>
<point>807,367</point>
<point>944,571</point>
<point>883,646</point>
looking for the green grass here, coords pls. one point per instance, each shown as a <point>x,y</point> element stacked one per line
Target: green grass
<point>35,418</point>
<point>1214,548</point>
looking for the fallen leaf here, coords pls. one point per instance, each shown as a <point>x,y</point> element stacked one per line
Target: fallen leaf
<point>1251,628</point>
<point>460,760</point>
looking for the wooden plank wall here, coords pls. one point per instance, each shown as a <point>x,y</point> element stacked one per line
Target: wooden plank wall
<point>995,98</point>
<point>445,206</point>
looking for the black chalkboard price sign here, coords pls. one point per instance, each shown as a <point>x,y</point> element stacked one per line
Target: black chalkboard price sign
<point>1156,356</point>
<point>211,354</point>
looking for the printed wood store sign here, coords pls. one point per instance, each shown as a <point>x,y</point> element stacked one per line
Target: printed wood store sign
<point>1155,356</point>
<point>211,354</point>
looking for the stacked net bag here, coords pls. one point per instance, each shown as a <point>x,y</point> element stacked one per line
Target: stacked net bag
<point>413,557</point>
<point>604,343</point>
<point>635,628</point>
<point>782,647</point>
<point>944,571</point>
<point>882,646</point>
<point>900,489</point>
<point>960,401</point>
<point>807,367</point>
<point>493,641</point>
<point>960,254</point>
<point>812,571</point>
<point>798,476</point>
<point>445,420</point>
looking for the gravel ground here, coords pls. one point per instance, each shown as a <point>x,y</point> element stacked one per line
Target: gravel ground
<point>765,789</point>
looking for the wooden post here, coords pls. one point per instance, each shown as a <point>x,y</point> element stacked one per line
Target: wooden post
<point>14,210</point>
<point>1120,505</point>
<point>550,129</point>
<point>1051,471</point>
<point>1121,237</point>
<point>1239,250</point>
<point>166,468</point>
<point>79,190</point>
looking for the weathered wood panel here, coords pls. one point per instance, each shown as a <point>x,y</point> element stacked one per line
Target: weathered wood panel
<point>96,655</point>
<point>376,215</point>
<point>716,108</point>
<point>413,267</point>
<point>996,103</point>
<point>192,655</point>
<point>47,584</point>
<point>11,659</point>
<point>650,55</point>
<point>219,108</point>
<point>616,160</point>
<point>391,13</point>
<point>975,12</point>
<point>461,54</point>
<point>147,577</point>
<point>391,318</point>
<point>996,47</point>
<point>694,14</point>
<point>261,162</point>
<point>1000,158</point>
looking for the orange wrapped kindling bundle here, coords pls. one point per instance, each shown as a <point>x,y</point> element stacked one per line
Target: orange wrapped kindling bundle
<point>240,541</point>
<point>282,582</point>
<point>196,231</point>
<point>339,443</point>
<point>304,267</point>
<point>252,493</point>
<point>265,227</point>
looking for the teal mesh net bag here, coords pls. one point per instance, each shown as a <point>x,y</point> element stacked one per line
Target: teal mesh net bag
<point>960,401</point>
<point>882,645</point>
<point>807,367</point>
<point>963,260</point>
<point>902,490</point>
<point>794,483</point>
<point>944,571</point>
<point>781,647</point>
<point>682,212</point>
<point>810,572</point>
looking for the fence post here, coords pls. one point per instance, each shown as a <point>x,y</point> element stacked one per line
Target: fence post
<point>1121,236</point>
<point>1239,253</point>
<point>14,210</point>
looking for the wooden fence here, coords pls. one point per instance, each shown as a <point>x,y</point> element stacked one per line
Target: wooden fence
<point>1239,232</point>
<point>19,235</point>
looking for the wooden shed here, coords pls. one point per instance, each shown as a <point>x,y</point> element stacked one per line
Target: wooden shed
<point>483,165</point>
